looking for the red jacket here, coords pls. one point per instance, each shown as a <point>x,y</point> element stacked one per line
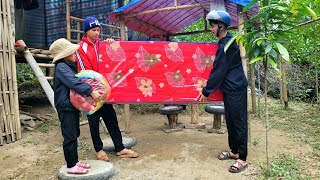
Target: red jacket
<point>89,53</point>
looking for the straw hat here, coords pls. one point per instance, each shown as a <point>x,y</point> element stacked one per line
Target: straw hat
<point>62,48</point>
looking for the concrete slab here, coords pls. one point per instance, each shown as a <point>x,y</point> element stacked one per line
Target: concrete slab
<point>128,143</point>
<point>99,170</point>
<point>24,117</point>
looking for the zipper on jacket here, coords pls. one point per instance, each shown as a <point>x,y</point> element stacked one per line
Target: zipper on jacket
<point>98,58</point>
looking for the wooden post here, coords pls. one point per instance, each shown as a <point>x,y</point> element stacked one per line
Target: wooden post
<point>14,93</point>
<point>240,16</point>
<point>194,114</point>
<point>37,72</point>
<point>173,120</point>
<point>68,20</point>
<point>284,83</point>
<point>217,121</point>
<point>5,69</point>
<point>126,106</point>
<point>240,29</point>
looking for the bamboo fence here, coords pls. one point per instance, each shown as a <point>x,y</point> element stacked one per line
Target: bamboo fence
<point>10,127</point>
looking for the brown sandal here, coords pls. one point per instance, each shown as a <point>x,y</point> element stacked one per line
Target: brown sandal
<point>101,155</point>
<point>128,154</point>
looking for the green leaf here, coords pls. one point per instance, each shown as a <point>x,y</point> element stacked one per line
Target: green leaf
<point>283,51</point>
<point>229,43</point>
<point>310,11</point>
<point>273,64</point>
<point>260,40</point>
<point>293,5</point>
<point>256,59</point>
<point>256,52</point>
<point>268,49</point>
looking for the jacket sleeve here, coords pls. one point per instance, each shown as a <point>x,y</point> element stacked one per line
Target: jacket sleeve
<point>83,60</point>
<point>218,72</point>
<point>67,77</point>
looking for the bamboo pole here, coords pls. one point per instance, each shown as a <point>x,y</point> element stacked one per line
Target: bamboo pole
<point>14,93</point>
<point>68,19</point>
<point>4,63</point>
<point>126,106</point>
<point>38,73</point>
<point>1,126</point>
<point>79,29</point>
<point>2,108</point>
<point>240,16</point>
<point>46,65</point>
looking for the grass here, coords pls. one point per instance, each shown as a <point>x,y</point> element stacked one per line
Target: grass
<point>84,147</point>
<point>256,141</point>
<point>283,167</point>
<point>46,126</point>
<point>302,122</point>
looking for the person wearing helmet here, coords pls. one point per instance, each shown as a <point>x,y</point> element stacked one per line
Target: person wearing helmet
<point>228,75</point>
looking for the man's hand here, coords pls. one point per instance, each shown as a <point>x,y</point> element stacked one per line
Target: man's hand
<point>109,40</point>
<point>202,98</point>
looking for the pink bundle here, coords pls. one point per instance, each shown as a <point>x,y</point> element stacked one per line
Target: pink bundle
<point>87,104</point>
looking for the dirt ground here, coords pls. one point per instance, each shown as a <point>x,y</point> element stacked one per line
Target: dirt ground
<point>189,154</point>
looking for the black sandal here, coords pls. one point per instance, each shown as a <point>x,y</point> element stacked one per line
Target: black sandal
<point>226,155</point>
<point>237,167</point>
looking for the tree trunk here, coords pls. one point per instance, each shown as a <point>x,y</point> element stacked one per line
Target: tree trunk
<point>253,89</point>
<point>281,87</point>
<point>259,99</point>
<point>317,67</point>
<point>266,109</point>
<point>284,83</point>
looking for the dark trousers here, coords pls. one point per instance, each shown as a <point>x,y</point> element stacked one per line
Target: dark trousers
<point>236,113</point>
<point>110,119</point>
<point>70,131</point>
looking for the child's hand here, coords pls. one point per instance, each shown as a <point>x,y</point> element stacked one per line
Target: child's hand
<point>202,98</point>
<point>96,95</point>
<point>110,40</point>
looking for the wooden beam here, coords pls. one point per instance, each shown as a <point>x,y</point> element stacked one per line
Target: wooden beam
<point>102,24</point>
<point>46,65</point>
<point>175,3</point>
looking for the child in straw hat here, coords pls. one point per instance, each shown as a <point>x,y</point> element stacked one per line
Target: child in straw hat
<point>64,79</point>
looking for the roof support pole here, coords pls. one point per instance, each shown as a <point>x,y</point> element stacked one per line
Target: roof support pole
<point>123,35</point>
<point>240,16</point>
<point>68,19</point>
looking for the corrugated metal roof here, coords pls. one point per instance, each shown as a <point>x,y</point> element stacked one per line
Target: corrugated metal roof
<point>164,23</point>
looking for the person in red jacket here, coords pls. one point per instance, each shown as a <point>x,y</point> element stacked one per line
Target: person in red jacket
<point>88,58</point>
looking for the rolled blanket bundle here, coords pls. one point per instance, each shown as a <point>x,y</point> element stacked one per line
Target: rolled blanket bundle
<point>87,104</point>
